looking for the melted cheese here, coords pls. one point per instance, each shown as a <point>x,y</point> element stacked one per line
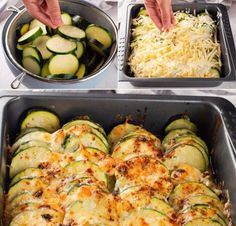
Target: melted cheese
<point>189,49</point>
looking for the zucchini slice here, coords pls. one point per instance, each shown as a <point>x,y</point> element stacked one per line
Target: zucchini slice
<point>86,123</point>
<point>25,186</point>
<point>214,73</point>
<point>100,34</point>
<point>188,189</point>
<point>42,119</point>
<point>33,157</point>
<point>181,123</point>
<point>61,76</point>
<point>80,50</point>
<point>150,217</point>
<point>40,44</point>
<point>31,64</point>
<point>32,51</point>
<point>93,61</point>
<point>85,168</point>
<point>63,64</point>
<point>36,23</point>
<point>42,216</point>
<point>24,28</point>
<point>136,146</point>
<point>32,134</point>
<point>80,22</point>
<point>97,47</point>
<point>142,170</point>
<point>201,211</point>
<point>173,134</point>
<point>72,32</point>
<point>81,72</point>
<point>120,131</point>
<point>203,222</point>
<point>57,44</point>
<point>21,47</point>
<point>30,36</point>
<point>185,154</point>
<point>32,143</point>
<point>142,12</point>
<point>45,72</point>
<point>203,200</point>
<point>29,173</point>
<point>66,18</point>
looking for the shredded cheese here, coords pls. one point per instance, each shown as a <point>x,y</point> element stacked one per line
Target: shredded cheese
<point>189,49</point>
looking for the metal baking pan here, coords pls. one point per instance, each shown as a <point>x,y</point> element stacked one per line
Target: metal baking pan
<point>225,36</point>
<point>212,116</point>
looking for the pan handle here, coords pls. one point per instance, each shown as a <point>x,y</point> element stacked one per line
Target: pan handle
<point>13,9</point>
<point>121,53</point>
<point>18,80</point>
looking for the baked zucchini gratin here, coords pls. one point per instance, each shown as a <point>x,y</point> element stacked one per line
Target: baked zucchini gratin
<point>189,50</point>
<point>77,175</point>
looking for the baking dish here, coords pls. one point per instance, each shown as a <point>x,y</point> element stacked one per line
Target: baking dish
<point>109,109</point>
<point>219,14</point>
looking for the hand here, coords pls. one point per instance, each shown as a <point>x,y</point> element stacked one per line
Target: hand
<point>46,11</point>
<point>161,13</point>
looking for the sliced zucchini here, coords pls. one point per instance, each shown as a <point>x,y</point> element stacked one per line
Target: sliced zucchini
<point>142,170</point>
<point>120,131</point>
<point>136,146</point>
<point>42,119</point>
<point>214,73</point>
<point>45,72</point>
<point>40,44</point>
<point>100,34</point>
<point>97,47</point>
<point>82,71</point>
<point>24,28</point>
<point>30,36</point>
<point>21,47</point>
<point>32,51</point>
<point>30,185</point>
<point>80,22</point>
<point>29,173</point>
<point>93,61</point>
<point>86,123</point>
<point>201,211</point>
<point>32,143</point>
<point>85,168</point>
<point>185,154</point>
<point>29,135</point>
<point>32,65</point>
<point>80,50</point>
<point>68,31</point>
<point>203,222</point>
<point>173,134</point>
<point>33,157</point>
<point>62,76</point>
<point>188,189</point>
<point>181,123</point>
<point>142,12</point>
<point>71,143</point>
<point>66,19</point>
<point>43,216</point>
<point>29,130</point>
<point>63,64</point>
<point>57,44</point>
<point>149,217</point>
<point>36,23</point>
<point>203,200</point>
<point>185,173</point>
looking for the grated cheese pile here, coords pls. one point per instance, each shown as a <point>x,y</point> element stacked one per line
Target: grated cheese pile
<point>189,49</point>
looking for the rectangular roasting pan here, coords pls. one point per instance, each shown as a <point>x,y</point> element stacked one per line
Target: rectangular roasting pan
<point>225,36</point>
<point>215,118</point>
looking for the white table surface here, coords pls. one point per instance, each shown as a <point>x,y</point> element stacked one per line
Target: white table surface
<point>106,80</point>
<point>225,85</point>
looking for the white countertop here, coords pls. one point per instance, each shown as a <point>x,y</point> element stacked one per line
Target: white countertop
<point>225,85</point>
<point>105,80</point>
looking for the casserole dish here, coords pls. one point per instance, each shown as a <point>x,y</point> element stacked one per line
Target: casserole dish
<point>224,33</point>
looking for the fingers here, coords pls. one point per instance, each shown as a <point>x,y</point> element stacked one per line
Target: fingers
<point>54,12</point>
<point>153,12</point>
<point>165,14</point>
